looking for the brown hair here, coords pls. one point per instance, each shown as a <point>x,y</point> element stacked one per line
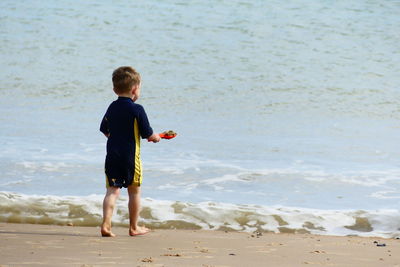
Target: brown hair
<point>124,78</point>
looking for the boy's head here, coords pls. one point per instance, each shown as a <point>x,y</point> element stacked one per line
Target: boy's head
<point>124,79</point>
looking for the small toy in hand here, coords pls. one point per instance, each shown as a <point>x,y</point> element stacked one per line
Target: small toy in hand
<point>168,134</point>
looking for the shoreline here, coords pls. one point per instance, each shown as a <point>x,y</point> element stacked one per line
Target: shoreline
<point>207,215</point>
<point>52,245</point>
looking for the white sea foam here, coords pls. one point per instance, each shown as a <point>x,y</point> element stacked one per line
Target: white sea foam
<point>17,182</point>
<point>388,194</point>
<point>368,178</point>
<point>205,215</point>
<point>223,179</point>
<point>32,166</point>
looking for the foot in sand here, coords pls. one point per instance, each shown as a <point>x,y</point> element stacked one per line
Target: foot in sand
<point>140,230</point>
<point>105,232</point>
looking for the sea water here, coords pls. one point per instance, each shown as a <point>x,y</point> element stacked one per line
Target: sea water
<point>287,112</point>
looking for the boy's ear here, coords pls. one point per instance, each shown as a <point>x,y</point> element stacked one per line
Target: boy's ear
<point>134,88</point>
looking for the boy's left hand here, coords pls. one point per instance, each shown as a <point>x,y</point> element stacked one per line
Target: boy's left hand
<point>155,138</point>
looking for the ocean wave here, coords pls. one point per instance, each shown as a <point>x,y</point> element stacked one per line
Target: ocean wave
<point>163,214</point>
<point>215,178</point>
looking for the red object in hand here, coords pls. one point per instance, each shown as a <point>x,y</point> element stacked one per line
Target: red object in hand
<point>167,135</point>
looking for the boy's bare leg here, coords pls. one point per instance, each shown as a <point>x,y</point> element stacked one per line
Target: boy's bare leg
<point>108,209</point>
<point>134,210</point>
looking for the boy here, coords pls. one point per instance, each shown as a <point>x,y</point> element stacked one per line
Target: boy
<point>123,124</point>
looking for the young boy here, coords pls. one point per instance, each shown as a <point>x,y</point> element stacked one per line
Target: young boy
<point>123,124</point>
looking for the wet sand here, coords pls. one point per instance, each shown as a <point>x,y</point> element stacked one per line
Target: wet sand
<point>49,245</point>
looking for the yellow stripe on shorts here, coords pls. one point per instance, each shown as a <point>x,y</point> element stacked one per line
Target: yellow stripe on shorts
<point>138,174</point>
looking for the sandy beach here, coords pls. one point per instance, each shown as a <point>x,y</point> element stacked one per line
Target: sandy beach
<point>49,245</point>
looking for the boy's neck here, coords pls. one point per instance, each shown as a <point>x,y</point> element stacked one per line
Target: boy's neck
<point>126,95</point>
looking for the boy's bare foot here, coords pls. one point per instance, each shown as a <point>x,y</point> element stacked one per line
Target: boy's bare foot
<point>140,230</point>
<point>105,232</point>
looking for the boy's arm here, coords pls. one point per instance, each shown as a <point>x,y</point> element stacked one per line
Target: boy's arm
<point>144,127</point>
<point>155,138</point>
<point>104,127</point>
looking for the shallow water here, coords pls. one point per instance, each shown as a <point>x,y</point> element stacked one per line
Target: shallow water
<point>278,104</point>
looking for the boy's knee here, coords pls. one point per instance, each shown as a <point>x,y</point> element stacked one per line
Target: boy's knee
<point>133,189</point>
<point>114,191</point>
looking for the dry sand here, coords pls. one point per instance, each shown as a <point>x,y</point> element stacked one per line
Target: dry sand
<point>48,245</point>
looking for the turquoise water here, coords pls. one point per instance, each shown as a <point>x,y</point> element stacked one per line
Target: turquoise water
<point>280,105</point>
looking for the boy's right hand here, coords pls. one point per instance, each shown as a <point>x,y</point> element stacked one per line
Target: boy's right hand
<point>155,138</point>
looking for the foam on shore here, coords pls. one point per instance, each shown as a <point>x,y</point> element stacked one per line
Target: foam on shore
<point>163,214</point>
